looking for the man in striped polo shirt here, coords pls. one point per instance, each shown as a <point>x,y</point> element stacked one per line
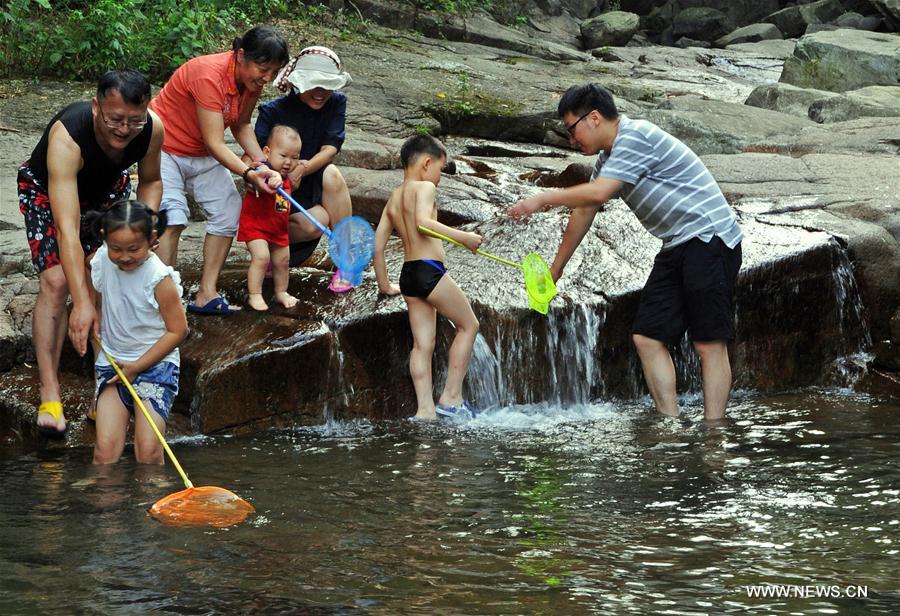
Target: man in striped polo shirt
<point>670,190</point>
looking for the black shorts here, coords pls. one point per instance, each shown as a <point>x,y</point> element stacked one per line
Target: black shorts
<point>691,288</point>
<point>308,194</point>
<point>301,251</point>
<point>419,278</point>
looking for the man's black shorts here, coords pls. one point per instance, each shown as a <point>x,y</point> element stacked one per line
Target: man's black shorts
<point>691,287</point>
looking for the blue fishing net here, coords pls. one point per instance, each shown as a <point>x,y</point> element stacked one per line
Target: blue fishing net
<point>351,246</point>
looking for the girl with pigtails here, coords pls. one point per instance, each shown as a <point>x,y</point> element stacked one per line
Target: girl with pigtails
<point>142,322</point>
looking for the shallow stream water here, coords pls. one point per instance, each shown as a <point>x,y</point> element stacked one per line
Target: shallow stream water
<point>593,509</point>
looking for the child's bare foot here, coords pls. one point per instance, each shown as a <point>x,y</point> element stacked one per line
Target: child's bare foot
<point>256,302</point>
<point>425,415</point>
<point>286,299</point>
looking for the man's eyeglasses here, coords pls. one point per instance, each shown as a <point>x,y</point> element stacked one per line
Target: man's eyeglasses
<point>127,123</point>
<point>571,129</point>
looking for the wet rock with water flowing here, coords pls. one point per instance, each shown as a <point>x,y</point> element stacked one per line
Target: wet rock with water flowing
<point>818,204</point>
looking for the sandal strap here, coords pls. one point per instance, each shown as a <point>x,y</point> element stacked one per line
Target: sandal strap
<point>53,408</point>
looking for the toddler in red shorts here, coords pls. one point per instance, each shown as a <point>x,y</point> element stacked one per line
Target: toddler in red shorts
<point>264,222</point>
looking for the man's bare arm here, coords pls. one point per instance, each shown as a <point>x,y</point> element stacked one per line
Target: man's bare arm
<point>150,186</point>
<point>63,164</point>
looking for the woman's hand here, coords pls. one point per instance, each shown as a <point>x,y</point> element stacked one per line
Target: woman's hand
<point>297,173</point>
<point>264,179</point>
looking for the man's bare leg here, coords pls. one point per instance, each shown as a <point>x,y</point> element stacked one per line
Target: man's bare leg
<point>659,372</point>
<point>48,332</point>
<point>716,377</point>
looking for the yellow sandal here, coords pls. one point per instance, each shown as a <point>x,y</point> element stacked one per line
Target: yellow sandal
<point>55,410</point>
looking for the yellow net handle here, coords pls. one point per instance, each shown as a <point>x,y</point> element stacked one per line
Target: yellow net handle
<point>441,236</point>
<point>137,400</point>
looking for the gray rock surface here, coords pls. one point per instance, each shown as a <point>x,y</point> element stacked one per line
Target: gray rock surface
<point>786,98</point>
<point>809,198</point>
<point>769,48</point>
<point>873,101</point>
<point>794,20</point>
<point>609,29</point>
<point>750,34</point>
<point>716,127</point>
<point>890,9</point>
<point>701,23</point>
<point>842,60</point>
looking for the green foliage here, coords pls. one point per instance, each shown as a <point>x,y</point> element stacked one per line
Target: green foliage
<point>466,101</point>
<point>82,40</point>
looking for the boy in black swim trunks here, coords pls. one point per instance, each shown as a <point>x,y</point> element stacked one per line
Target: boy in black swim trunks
<point>424,283</point>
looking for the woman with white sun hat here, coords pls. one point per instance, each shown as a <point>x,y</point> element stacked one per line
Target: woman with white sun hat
<point>313,106</point>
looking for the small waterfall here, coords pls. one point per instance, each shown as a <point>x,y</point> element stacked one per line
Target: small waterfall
<point>520,363</point>
<point>484,381</point>
<point>687,366</point>
<point>572,345</point>
<point>855,339</point>
<point>336,382</point>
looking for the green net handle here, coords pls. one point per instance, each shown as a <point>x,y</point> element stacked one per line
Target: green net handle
<point>441,236</point>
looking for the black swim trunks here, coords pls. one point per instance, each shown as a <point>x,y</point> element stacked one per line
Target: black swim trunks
<point>34,203</point>
<point>419,278</point>
<point>691,287</point>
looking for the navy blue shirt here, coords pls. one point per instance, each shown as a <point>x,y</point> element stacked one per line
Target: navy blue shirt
<point>316,127</point>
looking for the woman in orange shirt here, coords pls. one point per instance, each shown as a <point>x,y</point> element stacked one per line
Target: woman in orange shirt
<point>203,97</point>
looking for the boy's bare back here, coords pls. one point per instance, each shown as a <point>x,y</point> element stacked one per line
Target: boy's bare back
<point>413,203</point>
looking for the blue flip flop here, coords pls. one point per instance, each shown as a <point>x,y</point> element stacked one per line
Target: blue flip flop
<point>218,305</point>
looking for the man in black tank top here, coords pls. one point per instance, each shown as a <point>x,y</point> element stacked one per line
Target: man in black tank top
<point>81,163</point>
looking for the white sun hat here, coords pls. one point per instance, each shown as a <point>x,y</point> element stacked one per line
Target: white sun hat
<point>314,67</point>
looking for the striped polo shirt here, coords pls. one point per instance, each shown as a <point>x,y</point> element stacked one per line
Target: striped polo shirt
<point>667,186</point>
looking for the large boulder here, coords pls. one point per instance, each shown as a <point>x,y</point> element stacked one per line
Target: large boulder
<point>890,9</point>
<point>786,98</point>
<point>843,60</point>
<point>777,49</point>
<point>714,127</point>
<point>750,34</point>
<point>701,24</point>
<point>739,12</point>
<point>641,7</point>
<point>579,8</point>
<point>873,101</point>
<point>609,29</point>
<point>479,28</point>
<point>793,20</point>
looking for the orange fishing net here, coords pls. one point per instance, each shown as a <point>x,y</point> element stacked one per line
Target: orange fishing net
<point>203,506</point>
